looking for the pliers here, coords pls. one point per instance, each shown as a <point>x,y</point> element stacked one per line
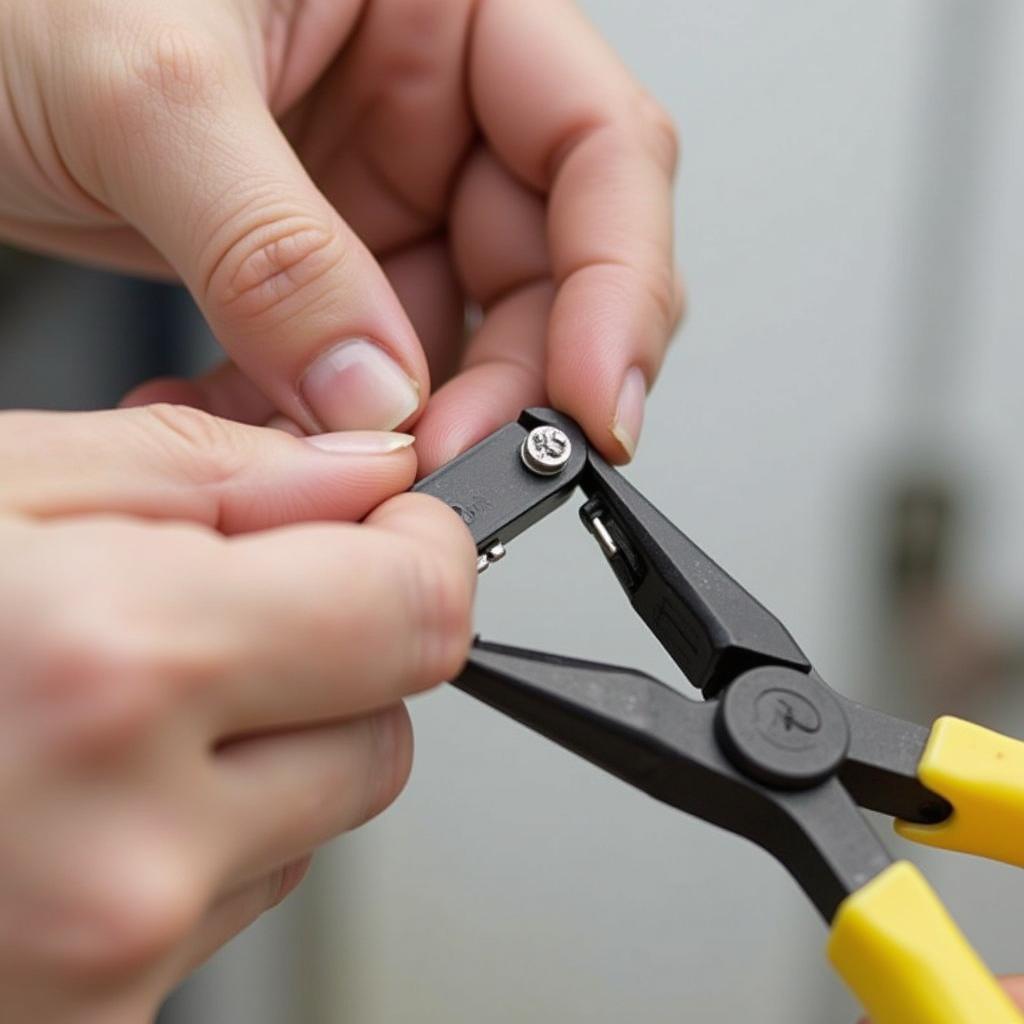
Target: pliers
<point>772,753</point>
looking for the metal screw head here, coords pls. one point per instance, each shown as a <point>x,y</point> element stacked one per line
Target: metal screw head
<point>546,450</point>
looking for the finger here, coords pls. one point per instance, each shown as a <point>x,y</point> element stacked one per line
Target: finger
<point>390,123</point>
<point>500,253</point>
<point>498,231</point>
<point>284,629</point>
<point>291,792</point>
<point>187,151</point>
<point>503,373</point>
<point>424,280</point>
<point>173,462</point>
<point>224,391</point>
<point>574,124</point>
<point>498,237</point>
<point>1015,988</point>
<point>235,911</point>
<point>316,623</point>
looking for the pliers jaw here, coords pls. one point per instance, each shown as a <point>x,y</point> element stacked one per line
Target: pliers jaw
<point>774,755</point>
<point>708,623</point>
<point>713,629</point>
<point>678,750</point>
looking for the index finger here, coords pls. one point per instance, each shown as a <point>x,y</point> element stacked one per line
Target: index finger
<point>322,622</point>
<point>563,113</point>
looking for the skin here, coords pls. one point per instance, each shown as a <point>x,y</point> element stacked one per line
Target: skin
<point>204,655</point>
<point>322,170</point>
<point>173,753</point>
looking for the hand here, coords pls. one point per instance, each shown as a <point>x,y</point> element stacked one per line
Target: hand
<point>185,715</point>
<point>334,179</point>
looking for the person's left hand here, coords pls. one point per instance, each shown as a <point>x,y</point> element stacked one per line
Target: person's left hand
<point>335,180</point>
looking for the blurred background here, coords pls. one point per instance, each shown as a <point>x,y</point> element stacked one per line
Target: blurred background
<point>839,423</point>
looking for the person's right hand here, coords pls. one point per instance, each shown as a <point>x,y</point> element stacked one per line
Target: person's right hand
<point>335,180</point>
<point>184,715</point>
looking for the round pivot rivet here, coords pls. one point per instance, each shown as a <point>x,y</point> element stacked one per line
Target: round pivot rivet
<point>546,450</point>
<point>783,727</point>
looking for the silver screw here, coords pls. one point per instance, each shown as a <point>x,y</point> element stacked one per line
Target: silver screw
<point>546,450</point>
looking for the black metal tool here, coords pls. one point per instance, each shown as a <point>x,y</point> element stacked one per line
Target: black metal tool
<point>772,754</point>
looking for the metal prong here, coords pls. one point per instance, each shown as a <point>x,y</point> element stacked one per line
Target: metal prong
<point>495,553</point>
<point>604,538</point>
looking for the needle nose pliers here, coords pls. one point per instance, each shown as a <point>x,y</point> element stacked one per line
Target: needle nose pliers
<point>772,753</point>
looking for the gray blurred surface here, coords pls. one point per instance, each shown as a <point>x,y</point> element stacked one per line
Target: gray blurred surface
<point>850,208</point>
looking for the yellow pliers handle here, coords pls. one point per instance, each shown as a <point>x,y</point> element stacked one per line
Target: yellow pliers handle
<point>981,773</point>
<point>898,949</point>
<point>892,941</point>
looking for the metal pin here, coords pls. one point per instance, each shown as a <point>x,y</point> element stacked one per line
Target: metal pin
<point>495,553</point>
<point>546,450</point>
<point>604,538</point>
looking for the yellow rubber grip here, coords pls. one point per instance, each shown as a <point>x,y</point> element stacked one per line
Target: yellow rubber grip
<point>898,949</point>
<point>981,773</point>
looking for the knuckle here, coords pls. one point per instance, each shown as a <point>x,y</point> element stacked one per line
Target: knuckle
<point>166,64</point>
<point>146,85</point>
<point>94,685</point>
<point>205,446</point>
<point>190,427</point>
<point>273,262</point>
<point>182,65</point>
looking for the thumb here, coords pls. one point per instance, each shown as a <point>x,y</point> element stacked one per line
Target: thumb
<point>191,156</point>
<point>175,462</point>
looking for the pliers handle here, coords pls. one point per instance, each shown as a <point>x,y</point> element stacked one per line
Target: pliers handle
<point>773,754</point>
<point>893,941</point>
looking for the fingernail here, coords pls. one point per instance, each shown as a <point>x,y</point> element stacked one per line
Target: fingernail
<point>361,442</point>
<point>629,413</point>
<point>357,386</point>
